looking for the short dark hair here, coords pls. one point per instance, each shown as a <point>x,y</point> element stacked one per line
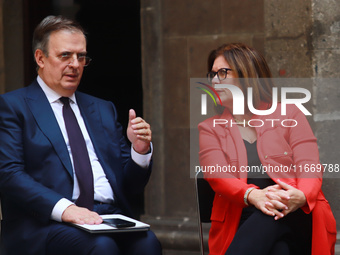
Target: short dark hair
<point>51,24</point>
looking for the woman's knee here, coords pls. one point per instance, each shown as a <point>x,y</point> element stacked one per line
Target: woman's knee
<point>280,248</point>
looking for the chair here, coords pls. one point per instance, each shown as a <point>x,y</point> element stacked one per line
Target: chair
<point>205,197</point>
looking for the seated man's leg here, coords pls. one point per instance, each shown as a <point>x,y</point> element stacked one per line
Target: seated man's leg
<point>68,240</point>
<point>141,243</point>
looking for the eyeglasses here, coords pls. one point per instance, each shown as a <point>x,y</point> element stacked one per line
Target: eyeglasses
<point>67,57</point>
<point>221,74</point>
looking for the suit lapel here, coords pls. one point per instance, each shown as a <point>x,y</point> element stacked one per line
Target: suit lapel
<point>107,153</point>
<point>44,116</point>
<point>92,118</point>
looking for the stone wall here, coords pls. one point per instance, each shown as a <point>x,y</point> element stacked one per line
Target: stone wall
<point>12,37</point>
<point>326,54</point>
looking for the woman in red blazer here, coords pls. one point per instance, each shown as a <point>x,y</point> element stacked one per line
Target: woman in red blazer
<point>279,209</point>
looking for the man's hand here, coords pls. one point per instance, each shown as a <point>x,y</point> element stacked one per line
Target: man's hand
<point>80,215</point>
<point>139,133</point>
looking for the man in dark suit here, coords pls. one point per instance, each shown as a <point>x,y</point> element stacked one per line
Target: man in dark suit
<point>63,158</point>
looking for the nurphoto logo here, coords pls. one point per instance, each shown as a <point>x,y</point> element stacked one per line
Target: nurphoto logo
<point>238,99</point>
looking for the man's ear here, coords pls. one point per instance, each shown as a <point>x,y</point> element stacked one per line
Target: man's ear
<point>39,58</point>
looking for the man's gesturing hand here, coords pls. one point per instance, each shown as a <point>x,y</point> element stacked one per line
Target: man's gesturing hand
<point>139,133</point>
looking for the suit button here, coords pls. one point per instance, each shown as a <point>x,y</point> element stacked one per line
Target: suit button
<point>266,156</point>
<point>286,153</point>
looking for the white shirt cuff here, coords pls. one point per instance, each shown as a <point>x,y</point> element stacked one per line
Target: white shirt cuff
<point>59,209</point>
<point>143,160</point>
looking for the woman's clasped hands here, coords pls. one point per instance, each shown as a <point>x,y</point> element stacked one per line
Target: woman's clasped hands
<point>277,200</point>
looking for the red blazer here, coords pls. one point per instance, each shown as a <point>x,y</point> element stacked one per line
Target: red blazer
<point>277,146</point>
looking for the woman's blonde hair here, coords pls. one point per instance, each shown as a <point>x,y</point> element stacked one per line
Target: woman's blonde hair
<point>249,66</point>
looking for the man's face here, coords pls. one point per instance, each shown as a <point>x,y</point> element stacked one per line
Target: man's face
<point>60,74</point>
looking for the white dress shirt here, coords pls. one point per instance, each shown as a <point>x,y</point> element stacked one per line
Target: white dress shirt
<point>102,189</point>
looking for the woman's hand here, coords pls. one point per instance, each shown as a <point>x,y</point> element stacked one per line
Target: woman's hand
<point>282,193</point>
<point>259,199</point>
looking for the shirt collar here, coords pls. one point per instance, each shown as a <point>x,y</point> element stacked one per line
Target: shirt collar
<point>51,95</point>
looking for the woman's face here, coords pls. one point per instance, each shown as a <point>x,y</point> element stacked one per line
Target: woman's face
<point>225,94</point>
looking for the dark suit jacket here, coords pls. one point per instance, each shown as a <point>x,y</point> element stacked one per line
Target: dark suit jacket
<point>36,170</point>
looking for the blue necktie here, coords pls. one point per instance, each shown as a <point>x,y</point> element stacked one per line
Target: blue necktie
<point>80,155</point>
